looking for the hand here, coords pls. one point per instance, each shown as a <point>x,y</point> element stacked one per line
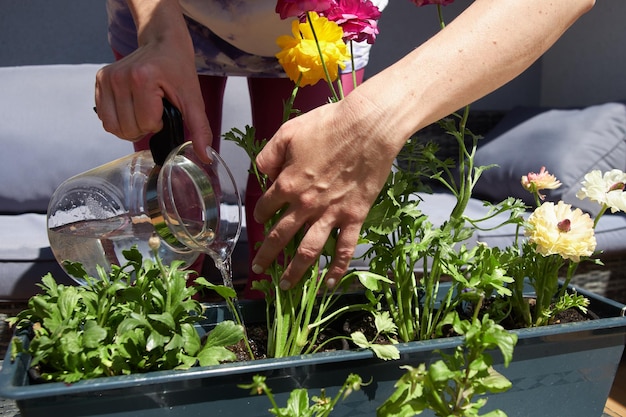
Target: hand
<point>327,168</point>
<point>129,92</point>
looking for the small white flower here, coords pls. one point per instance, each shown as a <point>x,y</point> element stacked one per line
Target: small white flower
<point>607,189</point>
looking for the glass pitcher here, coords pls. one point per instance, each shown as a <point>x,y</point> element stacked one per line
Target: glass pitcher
<point>192,206</point>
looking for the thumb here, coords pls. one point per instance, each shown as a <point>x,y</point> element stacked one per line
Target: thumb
<point>272,157</point>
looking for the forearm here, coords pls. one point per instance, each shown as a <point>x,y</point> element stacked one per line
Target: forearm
<point>159,21</point>
<point>489,44</point>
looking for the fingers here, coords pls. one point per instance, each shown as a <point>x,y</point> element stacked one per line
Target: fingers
<point>199,130</point>
<point>129,102</point>
<point>308,251</point>
<point>125,106</point>
<point>344,251</point>
<point>311,245</point>
<point>275,241</point>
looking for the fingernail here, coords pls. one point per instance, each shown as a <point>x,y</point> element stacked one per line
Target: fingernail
<point>257,269</point>
<point>284,285</point>
<point>331,282</point>
<point>209,151</point>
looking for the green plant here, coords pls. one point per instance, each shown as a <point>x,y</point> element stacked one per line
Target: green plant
<point>298,404</point>
<point>449,386</point>
<point>140,317</point>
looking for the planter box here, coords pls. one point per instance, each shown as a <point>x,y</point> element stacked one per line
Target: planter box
<point>564,370</point>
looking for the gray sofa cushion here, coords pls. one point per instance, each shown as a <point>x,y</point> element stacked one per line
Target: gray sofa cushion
<point>569,143</point>
<point>25,256</point>
<point>49,132</point>
<point>610,232</point>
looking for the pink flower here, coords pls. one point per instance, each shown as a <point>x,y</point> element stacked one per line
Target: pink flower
<point>543,180</point>
<point>357,18</point>
<point>420,3</point>
<point>296,8</point>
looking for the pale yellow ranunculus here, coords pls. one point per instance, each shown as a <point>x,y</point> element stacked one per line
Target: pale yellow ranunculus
<point>557,229</point>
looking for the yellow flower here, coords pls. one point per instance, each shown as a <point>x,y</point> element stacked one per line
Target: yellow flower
<point>557,229</point>
<point>535,182</point>
<point>300,56</point>
<point>607,189</point>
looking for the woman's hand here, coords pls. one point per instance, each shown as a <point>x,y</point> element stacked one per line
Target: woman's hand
<point>129,92</point>
<point>327,168</point>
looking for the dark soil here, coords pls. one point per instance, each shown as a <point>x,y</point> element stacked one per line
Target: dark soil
<point>350,323</point>
<point>257,333</point>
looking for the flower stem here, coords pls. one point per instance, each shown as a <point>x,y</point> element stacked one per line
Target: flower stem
<point>319,50</point>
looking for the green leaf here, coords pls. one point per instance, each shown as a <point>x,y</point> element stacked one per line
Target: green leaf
<point>360,340</point>
<point>495,382</point>
<point>176,343</point>
<point>371,280</point>
<point>226,333</point>
<point>165,319</point>
<point>385,352</point>
<point>68,302</point>
<point>298,404</point>
<point>214,355</point>
<point>94,335</point>
<point>156,340</point>
<point>191,339</point>
<point>224,291</point>
<point>384,323</point>
<point>440,372</point>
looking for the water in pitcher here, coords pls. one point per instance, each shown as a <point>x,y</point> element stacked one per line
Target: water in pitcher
<point>101,242</point>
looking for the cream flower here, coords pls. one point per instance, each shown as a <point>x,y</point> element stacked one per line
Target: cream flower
<point>557,229</point>
<point>607,189</point>
<point>543,180</point>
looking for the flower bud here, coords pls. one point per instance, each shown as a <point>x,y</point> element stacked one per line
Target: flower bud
<point>154,242</point>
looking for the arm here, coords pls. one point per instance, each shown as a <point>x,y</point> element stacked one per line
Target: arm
<point>489,44</point>
<point>129,92</point>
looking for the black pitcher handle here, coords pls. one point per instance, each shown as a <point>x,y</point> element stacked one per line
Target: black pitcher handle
<point>170,137</point>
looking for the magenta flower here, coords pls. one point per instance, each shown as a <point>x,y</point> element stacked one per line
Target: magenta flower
<point>419,3</point>
<point>296,8</point>
<point>357,18</point>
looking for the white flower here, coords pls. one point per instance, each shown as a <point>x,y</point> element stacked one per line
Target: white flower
<point>607,189</point>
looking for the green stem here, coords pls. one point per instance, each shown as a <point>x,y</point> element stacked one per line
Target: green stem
<point>597,219</point>
<point>354,82</point>
<point>319,50</point>
<point>442,22</point>
<point>288,107</point>
<point>466,166</point>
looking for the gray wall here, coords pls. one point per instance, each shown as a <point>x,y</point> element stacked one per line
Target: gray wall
<point>404,26</point>
<point>36,32</point>
<point>586,66</point>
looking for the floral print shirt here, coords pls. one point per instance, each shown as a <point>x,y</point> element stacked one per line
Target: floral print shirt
<point>230,37</point>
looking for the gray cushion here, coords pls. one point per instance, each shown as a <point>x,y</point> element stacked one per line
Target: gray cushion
<point>610,232</point>
<point>49,132</point>
<point>569,143</point>
<point>25,256</point>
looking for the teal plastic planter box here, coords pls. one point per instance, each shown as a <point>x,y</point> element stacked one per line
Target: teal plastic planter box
<point>560,370</point>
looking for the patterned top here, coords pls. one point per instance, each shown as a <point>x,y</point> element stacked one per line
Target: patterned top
<point>230,37</point>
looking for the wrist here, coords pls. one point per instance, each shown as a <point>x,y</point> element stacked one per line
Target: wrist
<point>159,21</point>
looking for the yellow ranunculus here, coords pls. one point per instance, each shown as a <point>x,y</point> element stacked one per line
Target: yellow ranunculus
<point>300,56</point>
<point>557,229</point>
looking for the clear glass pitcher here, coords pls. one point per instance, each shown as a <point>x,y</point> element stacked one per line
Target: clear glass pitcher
<point>192,206</point>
